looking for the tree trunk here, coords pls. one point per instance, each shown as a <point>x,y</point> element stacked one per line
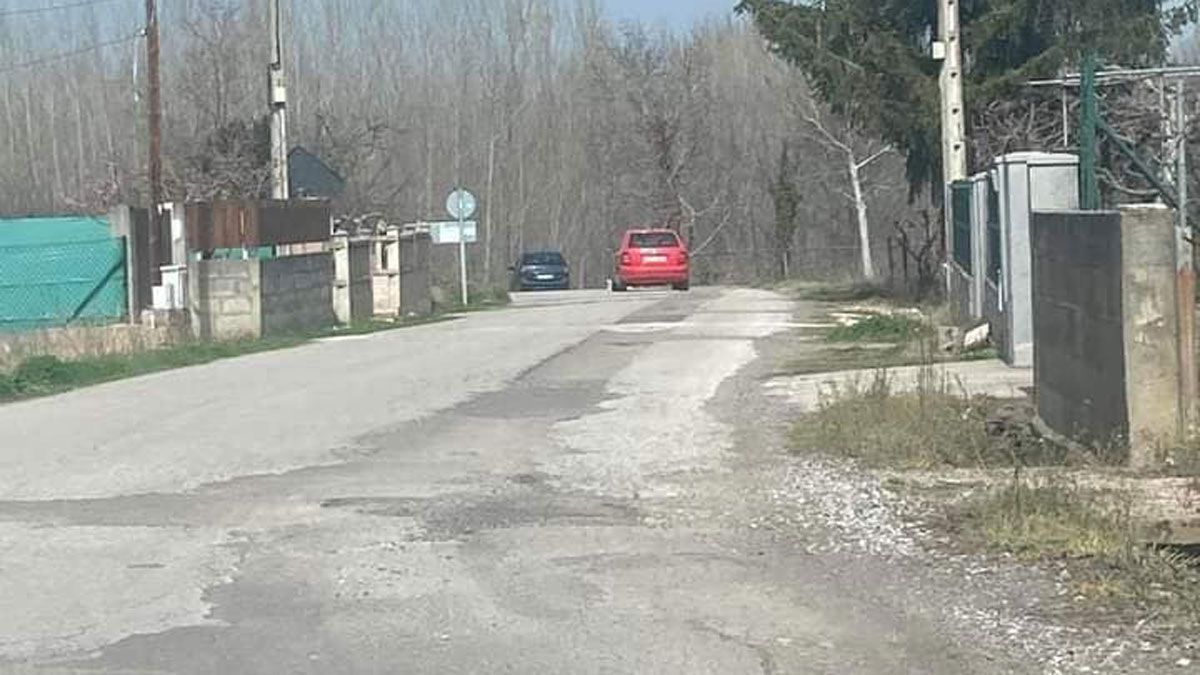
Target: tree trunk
<point>860,210</point>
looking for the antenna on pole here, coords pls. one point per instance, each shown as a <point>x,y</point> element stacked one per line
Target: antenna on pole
<point>277,100</point>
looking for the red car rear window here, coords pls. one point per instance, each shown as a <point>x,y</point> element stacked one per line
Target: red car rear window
<point>653,240</point>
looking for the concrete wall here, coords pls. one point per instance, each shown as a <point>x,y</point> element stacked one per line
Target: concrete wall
<point>1151,318</point>
<point>416,282</point>
<point>353,291</point>
<point>224,299</point>
<point>1106,329</point>
<point>1079,360</point>
<point>76,342</point>
<point>297,293</point>
<point>253,298</point>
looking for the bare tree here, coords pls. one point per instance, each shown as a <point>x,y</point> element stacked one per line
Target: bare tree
<point>857,153</point>
<point>569,128</point>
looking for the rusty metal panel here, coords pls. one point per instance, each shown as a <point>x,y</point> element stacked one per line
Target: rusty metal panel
<point>294,222</point>
<point>253,223</point>
<point>199,231</point>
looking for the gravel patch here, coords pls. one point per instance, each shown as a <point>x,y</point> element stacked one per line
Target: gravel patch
<point>991,603</point>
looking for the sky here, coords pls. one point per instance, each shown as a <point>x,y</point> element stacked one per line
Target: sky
<point>675,13</point>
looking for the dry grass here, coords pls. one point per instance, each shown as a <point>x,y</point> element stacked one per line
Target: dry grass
<point>85,341</point>
<point>1106,555</point>
<point>932,426</point>
<point>837,292</point>
<point>1050,517</point>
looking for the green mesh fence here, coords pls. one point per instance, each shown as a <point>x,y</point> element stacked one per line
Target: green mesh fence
<point>77,277</point>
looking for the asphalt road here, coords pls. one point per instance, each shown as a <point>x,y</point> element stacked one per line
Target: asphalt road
<point>566,486</point>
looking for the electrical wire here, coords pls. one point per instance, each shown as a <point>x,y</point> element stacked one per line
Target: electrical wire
<point>66,55</point>
<point>53,8</point>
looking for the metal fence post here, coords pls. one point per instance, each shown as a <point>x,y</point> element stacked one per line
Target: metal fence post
<point>1089,187</point>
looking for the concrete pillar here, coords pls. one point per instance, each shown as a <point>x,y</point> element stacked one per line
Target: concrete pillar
<point>393,268</point>
<point>120,224</point>
<point>1153,374</point>
<point>341,278</point>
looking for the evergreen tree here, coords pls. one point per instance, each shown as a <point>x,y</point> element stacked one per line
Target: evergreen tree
<point>869,60</point>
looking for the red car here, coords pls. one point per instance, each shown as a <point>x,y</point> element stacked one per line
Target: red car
<point>651,258</point>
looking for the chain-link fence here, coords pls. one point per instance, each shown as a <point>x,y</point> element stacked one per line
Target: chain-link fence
<point>44,285</point>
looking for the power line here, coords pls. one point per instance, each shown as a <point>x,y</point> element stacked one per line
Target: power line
<point>66,55</point>
<point>53,8</point>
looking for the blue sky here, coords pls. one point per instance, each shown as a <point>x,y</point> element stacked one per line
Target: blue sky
<point>676,13</point>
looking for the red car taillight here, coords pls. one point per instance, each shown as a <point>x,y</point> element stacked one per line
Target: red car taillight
<point>683,256</point>
<point>626,259</point>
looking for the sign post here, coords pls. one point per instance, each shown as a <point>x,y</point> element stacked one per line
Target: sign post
<point>461,206</point>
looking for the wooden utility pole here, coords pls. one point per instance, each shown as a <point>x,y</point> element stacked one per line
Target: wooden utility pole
<point>278,104</point>
<point>1185,277</point>
<point>154,105</point>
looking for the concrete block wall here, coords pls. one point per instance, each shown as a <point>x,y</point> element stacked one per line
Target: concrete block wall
<point>1107,365</point>
<point>1079,355</point>
<point>230,299</point>
<point>297,293</point>
<point>224,299</point>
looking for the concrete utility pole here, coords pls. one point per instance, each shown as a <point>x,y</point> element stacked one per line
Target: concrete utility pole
<point>948,48</point>
<point>278,103</point>
<point>954,147</point>
<point>154,109</point>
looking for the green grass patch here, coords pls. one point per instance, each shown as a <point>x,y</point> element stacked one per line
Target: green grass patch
<point>892,328</point>
<point>480,299</point>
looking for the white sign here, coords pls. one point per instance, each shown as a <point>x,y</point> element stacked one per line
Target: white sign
<point>460,204</point>
<point>448,232</point>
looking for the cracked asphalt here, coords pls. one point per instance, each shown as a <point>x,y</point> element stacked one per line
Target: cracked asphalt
<point>577,484</point>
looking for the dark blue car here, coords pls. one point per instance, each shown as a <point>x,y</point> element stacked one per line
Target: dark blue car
<point>541,271</point>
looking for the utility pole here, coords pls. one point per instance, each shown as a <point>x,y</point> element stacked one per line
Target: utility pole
<point>1185,277</point>
<point>154,105</point>
<point>954,149</point>
<point>278,103</point>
